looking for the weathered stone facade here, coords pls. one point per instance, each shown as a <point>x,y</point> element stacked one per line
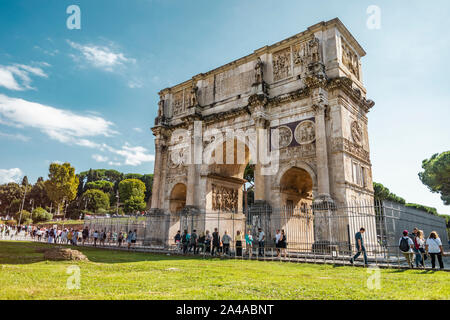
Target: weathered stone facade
<point>309,87</point>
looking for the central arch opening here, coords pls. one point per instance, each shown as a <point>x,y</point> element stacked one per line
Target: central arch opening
<point>178,198</point>
<point>296,187</point>
<point>296,197</point>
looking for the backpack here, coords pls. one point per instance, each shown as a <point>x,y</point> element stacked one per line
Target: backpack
<point>404,245</point>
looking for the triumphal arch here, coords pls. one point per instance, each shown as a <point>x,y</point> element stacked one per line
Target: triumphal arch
<point>296,109</point>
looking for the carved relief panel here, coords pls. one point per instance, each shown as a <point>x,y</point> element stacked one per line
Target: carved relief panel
<point>178,105</point>
<point>282,64</point>
<point>224,199</point>
<point>350,59</point>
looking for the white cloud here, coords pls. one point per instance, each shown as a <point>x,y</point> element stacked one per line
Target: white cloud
<point>133,156</point>
<point>10,175</point>
<point>138,129</point>
<point>9,76</point>
<point>99,158</point>
<point>100,56</point>
<point>61,125</point>
<point>16,136</point>
<point>133,84</point>
<point>116,164</point>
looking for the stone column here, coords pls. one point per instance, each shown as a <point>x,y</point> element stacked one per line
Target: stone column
<point>157,171</point>
<point>259,178</point>
<point>323,178</point>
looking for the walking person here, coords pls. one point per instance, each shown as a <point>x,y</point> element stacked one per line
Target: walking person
<point>359,242</point>
<point>419,249</point>
<point>249,243</point>
<point>433,246</point>
<point>215,242</point>
<point>238,243</point>
<point>261,240</point>
<point>406,246</point>
<point>226,241</point>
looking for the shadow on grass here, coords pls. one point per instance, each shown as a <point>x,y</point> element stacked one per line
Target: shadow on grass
<point>22,252</point>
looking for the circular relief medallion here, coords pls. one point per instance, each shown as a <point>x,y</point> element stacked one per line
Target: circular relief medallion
<point>305,132</point>
<point>356,132</point>
<point>285,138</point>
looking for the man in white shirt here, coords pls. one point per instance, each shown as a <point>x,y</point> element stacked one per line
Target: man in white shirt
<point>406,246</point>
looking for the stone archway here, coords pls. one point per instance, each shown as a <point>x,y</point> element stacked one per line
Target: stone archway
<point>177,200</point>
<point>296,186</point>
<point>296,198</point>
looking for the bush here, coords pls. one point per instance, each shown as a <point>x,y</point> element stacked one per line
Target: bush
<point>41,215</point>
<point>25,216</point>
<point>429,210</point>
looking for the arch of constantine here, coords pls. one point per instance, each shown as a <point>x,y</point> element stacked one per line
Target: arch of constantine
<point>296,109</point>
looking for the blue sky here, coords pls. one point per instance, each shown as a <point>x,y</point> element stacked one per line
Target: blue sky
<point>89,96</point>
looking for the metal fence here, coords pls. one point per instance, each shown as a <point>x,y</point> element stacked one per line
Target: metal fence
<point>321,233</point>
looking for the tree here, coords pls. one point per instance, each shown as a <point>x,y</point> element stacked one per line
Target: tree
<point>134,204</point>
<point>96,200</point>
<point>25,181</point>
<point>39,194</point>
<point>102,185</point>
<point>132,194</point>
<point>383,193</point>
<point>147,179</point>
<point>23,217</point>
<point>436,175</point>
<point>40,215</point>
<point>62,184</point>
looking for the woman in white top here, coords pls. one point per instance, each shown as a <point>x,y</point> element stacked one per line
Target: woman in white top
<point>433,246</point>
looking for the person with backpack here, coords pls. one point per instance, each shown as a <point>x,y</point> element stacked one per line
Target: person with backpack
<point>193,241</point>
<point>433,246</point>
<point>185,241</point>
<point>406,246</point>
<point>359,242</point>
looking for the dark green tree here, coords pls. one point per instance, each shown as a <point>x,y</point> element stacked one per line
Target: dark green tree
<point>436,175</point>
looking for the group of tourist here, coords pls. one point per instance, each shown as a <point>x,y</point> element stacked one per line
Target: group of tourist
<point>70,236</point>
<point>414,247</point>
<point>110,237</point>
<point>216,244</point>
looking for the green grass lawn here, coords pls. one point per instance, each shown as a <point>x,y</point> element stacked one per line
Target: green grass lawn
<point>123,275</point>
